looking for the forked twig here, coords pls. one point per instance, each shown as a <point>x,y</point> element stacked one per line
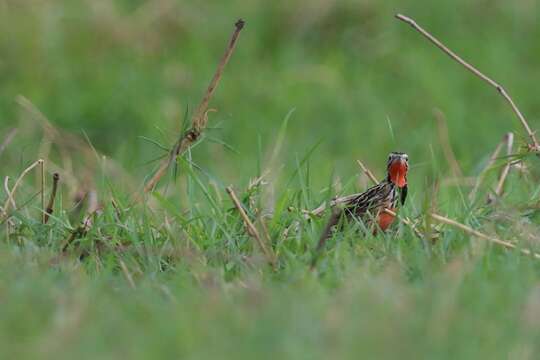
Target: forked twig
<point>251,229</point>
<point>50,206</point>
<point>535,145</point>
<point>200,117</point>
<point>478,234</point>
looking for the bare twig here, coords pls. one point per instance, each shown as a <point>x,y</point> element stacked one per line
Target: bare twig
<point>534,146</point>
<point>251,229</point>
<point>200,118</point>
<point>480,235</point>
<point>50,206</point>
<point>442,129</point>
<point>7,140</point>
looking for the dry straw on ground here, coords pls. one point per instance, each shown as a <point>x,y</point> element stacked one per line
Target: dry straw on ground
<point>251,229</point>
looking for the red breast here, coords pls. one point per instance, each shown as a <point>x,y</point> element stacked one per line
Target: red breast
<point>398,172</point>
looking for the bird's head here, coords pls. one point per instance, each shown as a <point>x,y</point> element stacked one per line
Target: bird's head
<point>398,165</point>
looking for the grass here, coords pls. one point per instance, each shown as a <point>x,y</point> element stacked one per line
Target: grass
<point>311,88</point>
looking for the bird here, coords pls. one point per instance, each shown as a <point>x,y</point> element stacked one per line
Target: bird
<point>371,205</point>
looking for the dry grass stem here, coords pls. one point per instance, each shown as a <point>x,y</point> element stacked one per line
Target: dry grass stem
<point>509,139</point>
<point>8,192</point>
<point>480,235</point>
<point>480,177</point>
<point>200,117</point>
<point>81,230</point>
<point>444,139</point>
<point>127,274</point>
<point>50,206</point>
<point>11,200</point>
<point>367,172</point>
<point>42,191</point>
<point>251,229</point>
<point>534,146</point>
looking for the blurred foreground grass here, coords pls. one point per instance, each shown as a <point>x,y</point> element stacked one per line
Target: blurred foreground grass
<point>92,86</point>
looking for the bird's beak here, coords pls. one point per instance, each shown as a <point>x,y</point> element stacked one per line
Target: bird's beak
<point>398,172</point>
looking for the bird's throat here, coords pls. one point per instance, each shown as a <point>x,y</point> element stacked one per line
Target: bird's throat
<point>398,173</point>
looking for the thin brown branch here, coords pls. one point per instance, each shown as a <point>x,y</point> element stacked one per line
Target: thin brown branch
<point>367,172</point>
<point>50,206</point>
<point>534,146</point>
<point>251,229</point>
<point>200,117</point>
<point>7,140</point>
<point>444,139</point>
<point>480,235</point>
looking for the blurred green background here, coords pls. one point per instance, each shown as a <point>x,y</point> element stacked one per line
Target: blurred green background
<point>357,84</point>
<point>358,80</point>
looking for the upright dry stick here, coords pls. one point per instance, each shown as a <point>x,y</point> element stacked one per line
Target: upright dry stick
<point>251,229</point>
<point>478,234</point>
<point>200,118</point>
<point>535,145</point>
<point>50,206</point>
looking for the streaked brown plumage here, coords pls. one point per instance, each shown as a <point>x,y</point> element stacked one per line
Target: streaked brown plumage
<point>370,205</point>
